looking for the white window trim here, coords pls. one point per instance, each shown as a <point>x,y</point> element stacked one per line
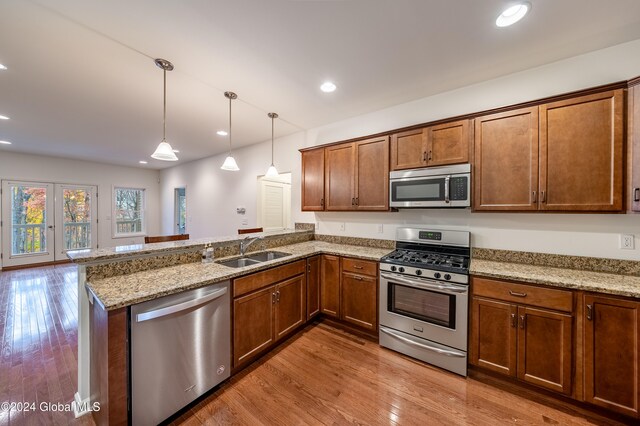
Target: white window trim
<point>114,222</point>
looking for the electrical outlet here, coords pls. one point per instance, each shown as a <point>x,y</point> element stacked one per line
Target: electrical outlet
<point>380,228</point>
<point>245,222</point>
<point>342,226</point>
<point>627,241</point>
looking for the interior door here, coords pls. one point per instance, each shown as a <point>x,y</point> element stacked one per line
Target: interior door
<point>76,218</point>
<point>180,211</point>
<point>27,223</point>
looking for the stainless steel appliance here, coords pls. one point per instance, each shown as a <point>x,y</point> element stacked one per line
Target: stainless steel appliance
<point>447,186</point>
<point>424,292</point>
<point>180,348</point>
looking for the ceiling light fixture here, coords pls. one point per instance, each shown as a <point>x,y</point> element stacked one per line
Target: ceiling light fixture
<point>142,162</point>
<point>222,133</point>
<point>230,162</point>
<point>5,143</point>
<point>513,14</point>
<point>272,171</point>
<point>2,67</point>
<point>3,117</point>
<point>164,151</point>
<point>328,87</point>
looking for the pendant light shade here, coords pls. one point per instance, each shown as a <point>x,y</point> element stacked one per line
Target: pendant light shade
<point>164,151</point>
<point>230,162</point>
<point>272,171</point>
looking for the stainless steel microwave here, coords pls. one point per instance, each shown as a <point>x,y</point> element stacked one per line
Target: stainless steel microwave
<point>439,187</point>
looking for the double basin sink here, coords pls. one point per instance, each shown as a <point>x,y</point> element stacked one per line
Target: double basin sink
<point>252,259</point>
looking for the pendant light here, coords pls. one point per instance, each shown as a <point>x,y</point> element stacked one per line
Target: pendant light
<point>272,171</point>
<point>230,162</point>
<point>164,151</point>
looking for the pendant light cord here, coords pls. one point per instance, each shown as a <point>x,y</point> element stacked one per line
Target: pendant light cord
<point>272,118</point>
<point>164,109</point>
<point>229,125</point>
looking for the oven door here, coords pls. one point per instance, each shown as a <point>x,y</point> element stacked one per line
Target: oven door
<point>430,309</point>
<point>430,191</point>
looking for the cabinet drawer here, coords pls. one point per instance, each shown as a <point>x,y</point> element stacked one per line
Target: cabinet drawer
<point>249,283</point>
<point>561,300</point>
<point>364,267</point>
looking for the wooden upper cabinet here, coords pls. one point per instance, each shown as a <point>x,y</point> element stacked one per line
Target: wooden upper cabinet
<point>408,150</point>
<point>312,180</point>
<point>339,176</point>
<point>611,330</point>
<point>448,143</point>
<point>633,147</point>
<point>506,161</point>
<point>372,174</point>
<point>581,153</point>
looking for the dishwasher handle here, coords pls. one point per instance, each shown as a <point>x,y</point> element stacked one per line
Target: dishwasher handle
<point>168,310</point>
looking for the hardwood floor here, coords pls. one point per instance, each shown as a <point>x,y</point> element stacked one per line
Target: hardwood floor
<point>322,375</point>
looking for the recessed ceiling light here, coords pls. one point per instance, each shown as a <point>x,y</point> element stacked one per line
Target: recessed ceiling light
<point>3,117</point>
<point>328,87</point>
<point>5,142</point>
<point>2,67</point>
<point>513,14</point>
<point>222,133</point>
<point>176,150</point>
<point>142,162</point>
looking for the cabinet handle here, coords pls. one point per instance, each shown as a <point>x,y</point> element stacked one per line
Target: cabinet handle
<point>636,194</point>
<point>273,298</point>
<point>543,197</point>
<point>430,157</point>
<point>353,201</point>
<point>513,293</point>
<point>357,201</point>
<point>321,202</point>
<point>590,312</point>
<point>308,268</point>
<point>424,156</point>
<point>522,321</point>
<point>278,296</point>
<point>357,267</point>
<point>513,320</point>
<point>534,197</point>
<point>357,278</point>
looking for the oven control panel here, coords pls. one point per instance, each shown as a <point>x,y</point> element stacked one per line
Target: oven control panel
<point>425,273</point>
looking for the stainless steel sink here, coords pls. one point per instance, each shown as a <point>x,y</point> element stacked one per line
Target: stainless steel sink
<point>252,259</point>
<point>267,255</point>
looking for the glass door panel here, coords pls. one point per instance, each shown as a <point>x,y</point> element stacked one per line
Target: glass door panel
<point>76,218</point>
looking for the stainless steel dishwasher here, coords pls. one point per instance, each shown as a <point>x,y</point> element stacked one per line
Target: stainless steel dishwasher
<point>180,348</point>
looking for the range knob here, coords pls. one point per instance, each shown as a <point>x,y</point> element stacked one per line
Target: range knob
<point>393,269</point>
<point>401,269</point>
<point>418,272</point>
<point>447,277</point>
<point>436,275</point>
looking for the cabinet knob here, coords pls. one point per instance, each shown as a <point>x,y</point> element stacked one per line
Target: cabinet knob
<point>522,321</point>
<point>513,320</point>
<point>590,312</point>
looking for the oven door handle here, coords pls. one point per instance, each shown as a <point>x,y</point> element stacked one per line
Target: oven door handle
<point>424,284</point>
<point>422,345</point>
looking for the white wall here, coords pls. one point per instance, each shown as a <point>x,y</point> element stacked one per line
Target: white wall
<point>218,193</point>
<point>27,167</point>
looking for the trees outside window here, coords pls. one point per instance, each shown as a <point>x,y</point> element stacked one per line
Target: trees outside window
<point>129,211</point>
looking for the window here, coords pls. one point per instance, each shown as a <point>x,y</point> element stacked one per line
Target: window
<point>129,214</point>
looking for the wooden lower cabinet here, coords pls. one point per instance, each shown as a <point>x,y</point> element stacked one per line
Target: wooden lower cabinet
<point>313,286</point>
<point>289,308</point>
<point>359,300</point>
<point>611,349</point>
<point>252,325</point>
<point>492,341</point>
<point>330,285</point>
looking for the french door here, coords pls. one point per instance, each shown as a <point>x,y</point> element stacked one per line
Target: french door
<point>42,220</point>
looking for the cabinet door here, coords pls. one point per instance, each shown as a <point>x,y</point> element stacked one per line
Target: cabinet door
<point>633,143</point>
<point>448,143</point>
<point>313,286</point>
<point>252,325</point>
<point>581,142</point>
<point>611,353</point>
<point>330,286</point>
<point>359,300</point>
<point>408,150</point>
<point>339,178</point>
<point>492,343</point>
<point>506,161</point>
<point>545,348</point>
<point>312,180</point>
<point>290,305</point>
<point>372,174</point>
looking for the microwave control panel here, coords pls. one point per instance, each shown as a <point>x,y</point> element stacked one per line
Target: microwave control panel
<point>458,188</point>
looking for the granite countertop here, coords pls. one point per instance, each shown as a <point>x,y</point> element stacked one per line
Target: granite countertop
<point>601,282</point>
<point>125,290</point>
<point>111,253</point>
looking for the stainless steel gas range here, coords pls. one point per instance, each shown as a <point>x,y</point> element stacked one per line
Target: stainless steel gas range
<point>424,292</point>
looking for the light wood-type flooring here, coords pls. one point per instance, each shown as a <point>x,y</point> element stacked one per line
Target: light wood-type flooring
<point>322,375</point>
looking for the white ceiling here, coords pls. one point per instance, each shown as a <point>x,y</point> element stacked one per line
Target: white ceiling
<point>82,83</point>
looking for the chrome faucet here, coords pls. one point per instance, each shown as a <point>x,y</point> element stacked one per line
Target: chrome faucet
<point>244,244</point>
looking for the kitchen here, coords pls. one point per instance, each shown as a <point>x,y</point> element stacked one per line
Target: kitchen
<point>219,194</point>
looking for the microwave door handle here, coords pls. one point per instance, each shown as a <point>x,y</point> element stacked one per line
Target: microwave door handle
<point>446,188</point>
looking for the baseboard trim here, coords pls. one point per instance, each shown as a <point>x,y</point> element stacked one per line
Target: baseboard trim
<point>35,265</point>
